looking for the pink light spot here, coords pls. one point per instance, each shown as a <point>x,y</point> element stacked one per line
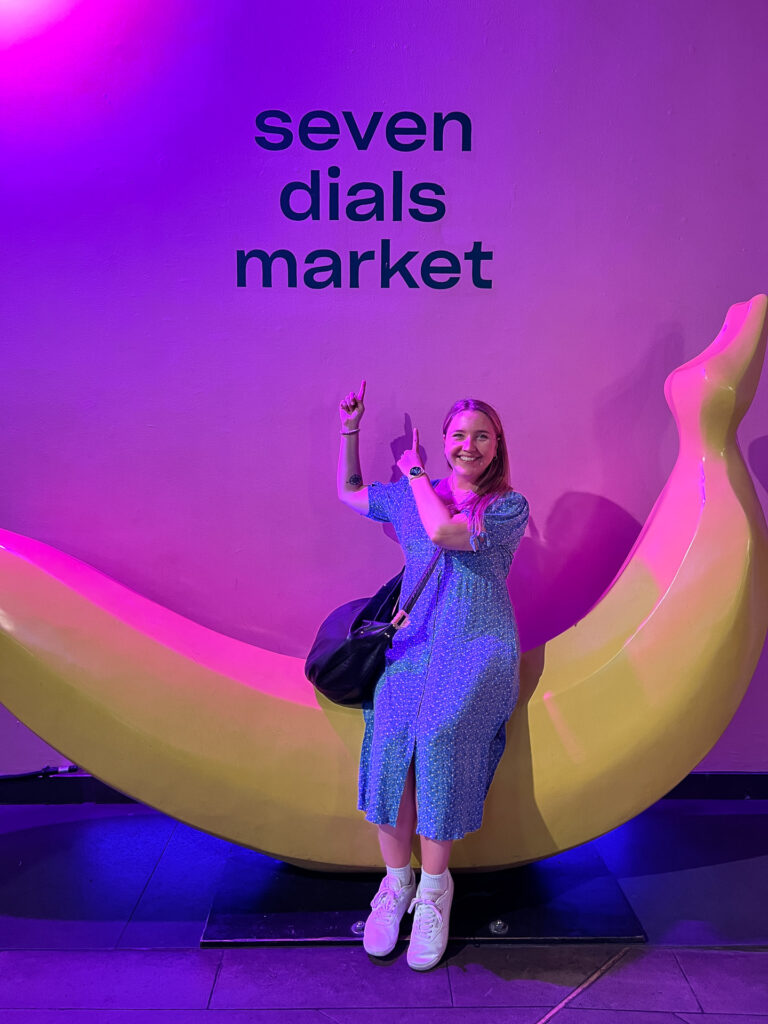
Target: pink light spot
<point>21,19</point>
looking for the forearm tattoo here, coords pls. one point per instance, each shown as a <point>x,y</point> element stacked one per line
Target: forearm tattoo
<point>355,480</point>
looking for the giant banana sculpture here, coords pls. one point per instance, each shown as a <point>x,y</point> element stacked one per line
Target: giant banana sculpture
<point>231,738</point>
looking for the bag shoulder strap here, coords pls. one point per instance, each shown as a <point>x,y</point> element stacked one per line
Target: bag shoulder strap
<point>416,592</point>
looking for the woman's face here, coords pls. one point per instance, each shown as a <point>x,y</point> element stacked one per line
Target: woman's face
<point>470,444</point>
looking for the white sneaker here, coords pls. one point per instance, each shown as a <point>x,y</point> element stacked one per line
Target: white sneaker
<point>389,906</point>
<point>429,935</point>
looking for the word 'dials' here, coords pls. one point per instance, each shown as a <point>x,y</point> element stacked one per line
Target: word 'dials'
<point>404,130</point>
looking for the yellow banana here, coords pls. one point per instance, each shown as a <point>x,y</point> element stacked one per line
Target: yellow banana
<point>615,711</point>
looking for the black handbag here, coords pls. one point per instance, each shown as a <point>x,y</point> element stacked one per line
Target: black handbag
<point>347,657</point>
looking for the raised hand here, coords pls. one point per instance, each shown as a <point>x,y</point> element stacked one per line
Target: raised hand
<point>410,456</point>
<point>351,409</point>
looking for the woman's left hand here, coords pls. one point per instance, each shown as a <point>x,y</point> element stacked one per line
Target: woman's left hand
<point>410,456</point>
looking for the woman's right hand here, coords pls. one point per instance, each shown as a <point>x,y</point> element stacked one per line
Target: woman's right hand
<point>351,409</point>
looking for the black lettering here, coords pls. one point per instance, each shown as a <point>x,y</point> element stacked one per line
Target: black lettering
<point>355,259</point>
<point>313,188</point>
<point>285,134</point>
<point>332,268</point>
<point>362,141</point>
<point>266,260</point>
<point>397,195</point>
<point>437,205</point>
<point>441,120</point>
<point>333,194</point>
<point>307,129</point>
<point>429,269</point>
<point>388,270</point>
<point>395,129</point>
<point>355,209</point>
<point>477,254</point>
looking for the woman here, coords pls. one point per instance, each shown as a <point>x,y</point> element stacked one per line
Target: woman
<point>434,732</point>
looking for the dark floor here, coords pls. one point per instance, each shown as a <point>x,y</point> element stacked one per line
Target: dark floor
<point>102,909</point>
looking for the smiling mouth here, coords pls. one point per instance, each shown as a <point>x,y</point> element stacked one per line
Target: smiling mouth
<point>468,458</point>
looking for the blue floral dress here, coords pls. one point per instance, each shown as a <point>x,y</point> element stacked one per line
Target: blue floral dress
<point>451,678</point>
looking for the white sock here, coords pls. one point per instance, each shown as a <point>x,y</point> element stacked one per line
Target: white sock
<point>438,883</point>
<point>403,876</point>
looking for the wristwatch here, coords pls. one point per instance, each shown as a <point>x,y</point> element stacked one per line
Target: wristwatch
<point>415,471</point>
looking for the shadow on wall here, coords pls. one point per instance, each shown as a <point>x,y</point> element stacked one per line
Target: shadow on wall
<point>757,460</point>
<point>632,425</point>
<point>560,573</point>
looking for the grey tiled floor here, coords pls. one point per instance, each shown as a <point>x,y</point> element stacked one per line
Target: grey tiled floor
<point>102,907</point>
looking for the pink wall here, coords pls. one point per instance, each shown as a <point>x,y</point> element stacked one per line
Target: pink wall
<point>180,433</point>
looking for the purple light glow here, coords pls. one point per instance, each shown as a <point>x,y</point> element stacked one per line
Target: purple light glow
<point>66,64</point>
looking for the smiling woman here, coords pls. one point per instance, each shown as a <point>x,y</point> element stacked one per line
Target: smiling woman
<point>435,728</point>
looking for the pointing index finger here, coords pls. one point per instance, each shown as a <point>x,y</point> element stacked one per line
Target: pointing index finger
<point>361,392</point>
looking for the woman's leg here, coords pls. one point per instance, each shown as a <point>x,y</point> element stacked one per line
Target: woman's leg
<point>429,934</point>
<point>435,854</point>
<point>395,841</point>
<point>398,885</point>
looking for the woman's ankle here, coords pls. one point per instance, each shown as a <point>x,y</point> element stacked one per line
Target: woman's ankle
<point>403,876</point>
<point>435,883</point>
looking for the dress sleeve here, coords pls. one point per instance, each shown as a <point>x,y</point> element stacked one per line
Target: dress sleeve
<point>504,523</point>
<point>384,500</point>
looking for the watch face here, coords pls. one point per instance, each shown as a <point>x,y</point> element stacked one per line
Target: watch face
<point>416,471</point>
